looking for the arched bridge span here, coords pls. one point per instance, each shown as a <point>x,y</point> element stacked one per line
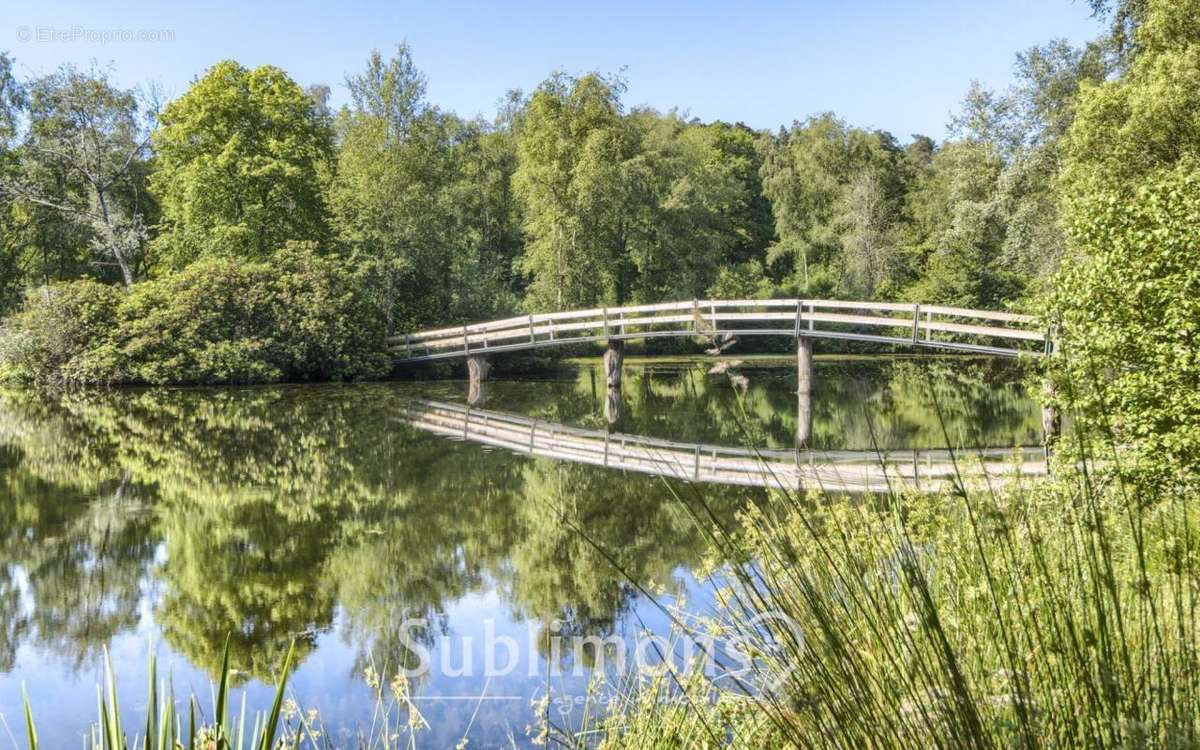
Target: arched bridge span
<point>903,324</point>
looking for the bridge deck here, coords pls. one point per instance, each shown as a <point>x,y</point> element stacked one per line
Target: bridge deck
<point>921,326</point>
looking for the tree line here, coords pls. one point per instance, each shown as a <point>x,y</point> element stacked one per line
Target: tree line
<point>568,197</point>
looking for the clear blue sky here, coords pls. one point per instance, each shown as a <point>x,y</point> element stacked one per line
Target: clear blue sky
<point>899,66</point>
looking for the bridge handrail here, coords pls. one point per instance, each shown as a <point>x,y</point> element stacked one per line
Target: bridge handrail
<point>704,317</point>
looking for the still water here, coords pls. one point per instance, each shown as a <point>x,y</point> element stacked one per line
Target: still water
<point>173,518</point>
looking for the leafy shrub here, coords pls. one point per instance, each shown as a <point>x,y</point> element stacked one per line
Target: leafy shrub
<point>741,281</point>
<point>1130,314</point>
<point>207,324</point>
<point>325,326</point>
<point>62,335</point>
<point>298,317</point>
<point>220,320</point>
<point>1129,298</point>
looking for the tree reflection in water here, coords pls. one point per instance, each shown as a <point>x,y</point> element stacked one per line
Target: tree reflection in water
<point>269,514</point>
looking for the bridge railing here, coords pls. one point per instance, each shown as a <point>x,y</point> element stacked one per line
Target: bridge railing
<point>918,325</point>
<point>841,471</point>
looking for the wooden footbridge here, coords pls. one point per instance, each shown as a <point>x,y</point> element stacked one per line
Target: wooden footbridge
<point>858,472</point>
<point>723,322</point>
<point>901,324</point>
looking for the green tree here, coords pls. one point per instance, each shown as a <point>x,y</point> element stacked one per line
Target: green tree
<point>1127,301</point>
<point>959,227</point>
<point>83,158</point>
<point>808,174</point>
<point>12,102</point>
<point>422,200</point>
<point>984,228</point>
<point>686,211</point>
<point>241,160</point>
<point>573,182</point>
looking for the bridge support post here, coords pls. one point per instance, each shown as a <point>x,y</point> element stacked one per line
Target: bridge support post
<point>614,406</point>
<point>804,375</point>
<point>477,393</point>
<point>1051,419</point>
<point>478,369</point>
<point>614,358</point>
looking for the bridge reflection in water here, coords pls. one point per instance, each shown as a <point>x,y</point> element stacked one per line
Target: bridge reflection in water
<point>828,471</point>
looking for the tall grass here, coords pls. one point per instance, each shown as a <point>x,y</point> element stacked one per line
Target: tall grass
<point>1059,615</point>
<point>166,728</point>
<point>395,722</point>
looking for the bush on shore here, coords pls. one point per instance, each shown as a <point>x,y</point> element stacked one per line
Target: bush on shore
<point>297,316</point>
<point>62,335</point>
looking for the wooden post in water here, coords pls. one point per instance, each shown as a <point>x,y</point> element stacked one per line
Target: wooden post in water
<point>1051,419</point>
<point>614,357</point>
<point>477,393</point>
<point>804,374</point>
<point>614,407</point>
<point>477,372</point>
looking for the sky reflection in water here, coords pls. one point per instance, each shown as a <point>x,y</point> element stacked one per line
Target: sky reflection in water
<point>312,512</point>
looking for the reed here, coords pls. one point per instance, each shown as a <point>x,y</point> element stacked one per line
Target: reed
<point>168,728</point>
<point>1057,615</point>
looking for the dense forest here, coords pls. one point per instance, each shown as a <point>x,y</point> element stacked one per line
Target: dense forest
<point>246,211</point>
<point>568,198</point>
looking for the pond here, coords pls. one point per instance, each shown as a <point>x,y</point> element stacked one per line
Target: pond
<point>173,519</point>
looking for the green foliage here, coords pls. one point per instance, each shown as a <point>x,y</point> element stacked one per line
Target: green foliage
<point>1127,303</point>
<point>621,207</point>
<point>1057,616</point>
<point>63,335</point>
<point>568,199</point>
<point>573,180</point>
<point>811,175</point>
<point>241,159</point>
<point>82,171</point>
<point>695,189</point>
<point>12,101</point>
<point>422,201</point>
<point>1129,315</point>
<point>164,727</point>
<point>742,281</point>
<point>299,316</point>
<point>1130,127</point>
<point>961,223</point>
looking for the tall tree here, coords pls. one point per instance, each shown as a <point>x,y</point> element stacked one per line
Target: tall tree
<point>807,173</point>
<point>84,153</point>
<point>1127,301</point>
<point>423,200</point>
<point>12,101</point>
<point>985,228</point>
<point>574,184</point>
<point>867,223</point>
<point>242,158</point>
<point>688,207</point>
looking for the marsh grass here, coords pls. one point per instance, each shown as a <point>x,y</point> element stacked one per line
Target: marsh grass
<point>396,722</point>
<point>1061,615</point>
<point>166,727</point>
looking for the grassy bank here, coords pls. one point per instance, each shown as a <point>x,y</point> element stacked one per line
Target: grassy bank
<point>1060,615</point>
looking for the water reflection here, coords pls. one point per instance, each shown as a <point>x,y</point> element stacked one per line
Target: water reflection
<point>855,472</point>
<point>310,513</point>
